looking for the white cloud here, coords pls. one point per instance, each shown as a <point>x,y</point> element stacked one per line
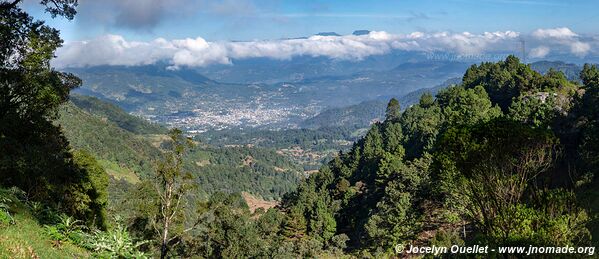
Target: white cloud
<point>345,47</point>
<point>556,33</point>
<point>539,52</point>
<point>580,48</point>
<point>194,52</point>
<point>460,43</point>
<point>113,50</point>
<point>198,52</point>
<point>565,37</point>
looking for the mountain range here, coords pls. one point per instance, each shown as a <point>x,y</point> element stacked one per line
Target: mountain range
<point>273,94</point>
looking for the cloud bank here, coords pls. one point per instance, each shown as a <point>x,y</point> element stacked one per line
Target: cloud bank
<point>197,52</point>
<point>564,37</point>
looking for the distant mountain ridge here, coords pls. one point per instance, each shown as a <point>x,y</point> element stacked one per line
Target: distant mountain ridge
<point>111,111</point>
<point>189,99</point>
<point>572,71</point>
<point>360,32</point>
<point>363,114</point>
<point>331,33</point>
<point>277,94</point>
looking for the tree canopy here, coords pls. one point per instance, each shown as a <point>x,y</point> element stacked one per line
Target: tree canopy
<point>493,159</point>
<point>34,154</point>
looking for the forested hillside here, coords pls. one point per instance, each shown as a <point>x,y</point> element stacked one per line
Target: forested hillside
<point>123,152</point>
<point>106,110</point>
<point>508,157</point>
<point>363,114</point>
<point>129,147</point>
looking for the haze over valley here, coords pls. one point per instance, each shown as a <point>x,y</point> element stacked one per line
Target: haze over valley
<point>270,98</point>
<point>187,99</point>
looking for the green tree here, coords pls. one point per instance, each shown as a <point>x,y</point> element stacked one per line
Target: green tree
<point>388,167</point>
<point>94,189</point>
<point>498,170</point>
<point>393,138</point>
<point>172,185</point>
<point>397,217</point>
<point>395,220</point>
<point>228,230</point>
<point>590,78</point>
<point>466,106</point>
<point>31,90</point>
<point>294,226</point>
<point>503,80</point>
<point>534,111</point>
<point>373,142</point>
<point>420,127</point>
<point>30,93</point>
<point>426,100</point>
<point>589,75</point>
<point>393,111</point>
<point>322,224</point>
<point>588,112</point>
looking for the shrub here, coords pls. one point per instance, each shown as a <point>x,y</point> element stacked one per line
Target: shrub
<point>8,197</point>
<point>5,217</point>
<point>67,229</point>
<point>115,243</point>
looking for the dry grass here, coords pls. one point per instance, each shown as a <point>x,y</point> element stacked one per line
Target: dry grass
<point>255,203</point>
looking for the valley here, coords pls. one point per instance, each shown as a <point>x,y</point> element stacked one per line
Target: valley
<point>306,120</point>
<point>188,100</point>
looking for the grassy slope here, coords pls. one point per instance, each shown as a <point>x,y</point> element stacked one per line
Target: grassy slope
<point>121,118</point>
<point>27,239</point>
<point>123,150</point>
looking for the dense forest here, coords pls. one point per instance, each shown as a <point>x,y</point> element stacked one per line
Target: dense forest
<point>128,148</point>
<point>309,148</point>
<point>508,156</point>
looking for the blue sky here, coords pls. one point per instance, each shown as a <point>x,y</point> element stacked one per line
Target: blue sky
<point>273,19</point>
<point>204,32</point>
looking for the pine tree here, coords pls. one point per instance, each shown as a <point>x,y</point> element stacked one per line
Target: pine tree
<point>295,224</point>
<point>373,143</point>
<point>393,139</point>
<point>426,100</point>
<point>393,110</point>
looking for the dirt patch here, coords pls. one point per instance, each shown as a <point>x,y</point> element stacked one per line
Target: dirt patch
<point>248,161</point>
<point>202,163</point>
<point>255,203</point>
<point>157,139</point>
